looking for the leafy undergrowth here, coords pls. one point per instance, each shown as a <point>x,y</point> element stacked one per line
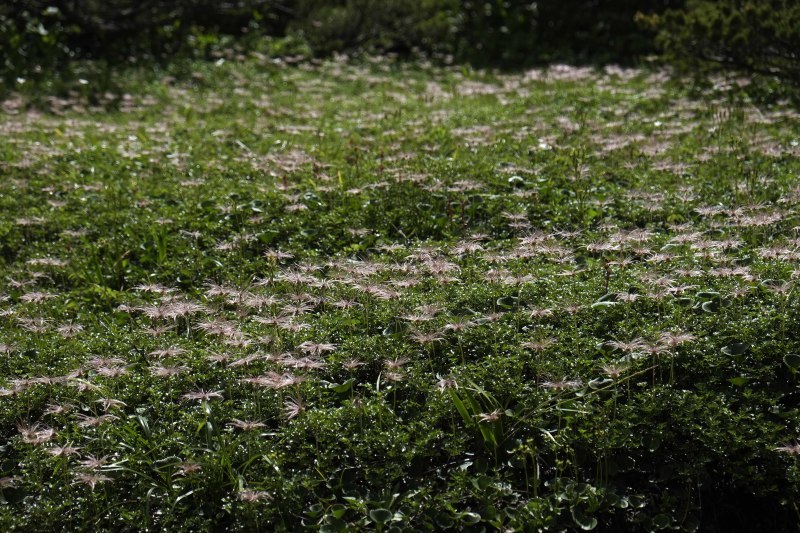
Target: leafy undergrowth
<point>380,296</point>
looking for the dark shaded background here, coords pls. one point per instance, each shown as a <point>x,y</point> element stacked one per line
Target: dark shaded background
<point>508,32</point>
<point>40,38</point>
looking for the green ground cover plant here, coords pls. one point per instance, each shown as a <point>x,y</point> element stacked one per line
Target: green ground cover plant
<point>388,297</point>
<point>760,36</point>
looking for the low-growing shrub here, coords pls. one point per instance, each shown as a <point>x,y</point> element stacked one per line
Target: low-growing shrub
<point>760,36</point>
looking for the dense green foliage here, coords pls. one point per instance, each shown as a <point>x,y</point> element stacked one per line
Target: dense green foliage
<point>396,25</point>
<point>44,37</point>
<point>496,33</point>
<point>760,36</point>
<point>381,296</point>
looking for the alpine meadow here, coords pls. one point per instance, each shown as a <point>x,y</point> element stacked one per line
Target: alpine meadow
<point>356,295</point>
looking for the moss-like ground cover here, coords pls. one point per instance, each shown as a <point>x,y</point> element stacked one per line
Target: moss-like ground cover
<point>382,296</point>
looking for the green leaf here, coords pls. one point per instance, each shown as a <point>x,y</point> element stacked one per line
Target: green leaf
<point>461,408</point>
<point>333,524</point>
<point>184,495</point>
<point>470,518</point>
<point>381,516</point>
<point>792,360</point>
<point>144,423</point>
<point>342,388</point>
<point>662,521</point>
<point>516,181</point>
<point>586,523</point>
<point>315,510</point>
<point>599,383</point>
<point>481,482</point>
<point>338,510</point>
<point>507,302</point>
<point>604,347</point>
<point>444,520</point>
<point>167,461</point>
<point>707,295</point>
<point>737,348</point>
<point>603,304</point>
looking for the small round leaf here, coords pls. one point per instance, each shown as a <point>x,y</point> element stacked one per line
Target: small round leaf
<point>662,521</point>
<point>737,348</point>
<point>470,518</point>
<point>792,360</point>
<point>381,516</point>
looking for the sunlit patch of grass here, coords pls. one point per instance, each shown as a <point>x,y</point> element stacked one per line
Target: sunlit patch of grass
<point>371,295</point>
